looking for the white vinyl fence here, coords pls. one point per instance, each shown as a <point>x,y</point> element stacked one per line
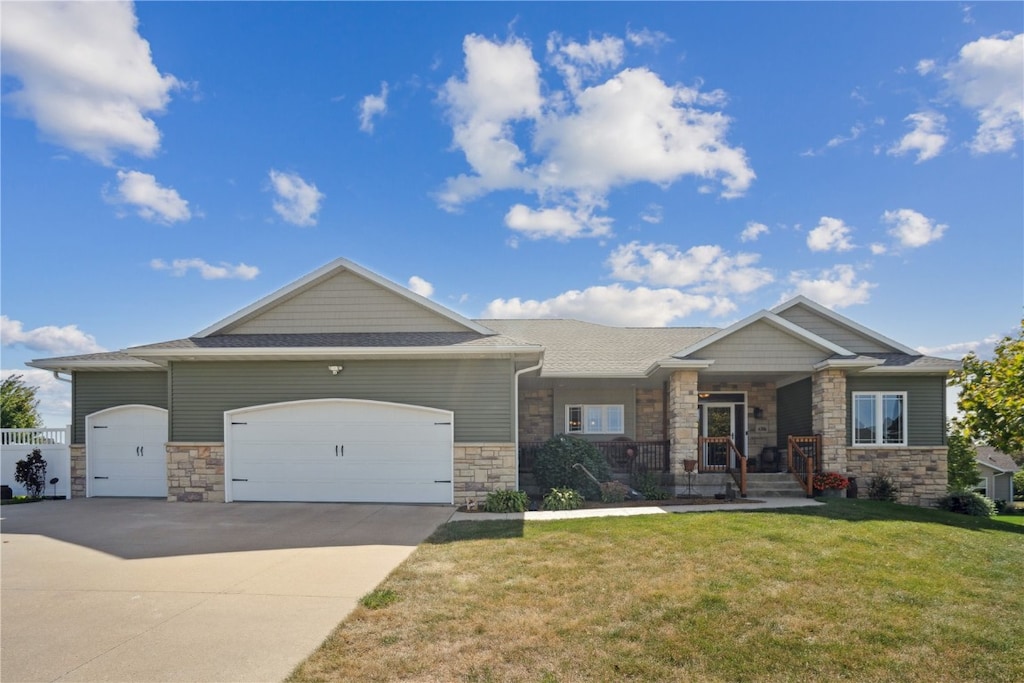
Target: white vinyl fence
<point>54,444</point>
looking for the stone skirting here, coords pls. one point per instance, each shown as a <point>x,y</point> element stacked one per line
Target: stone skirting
<point>77,470</point>
<point>195,472</point>
<point>481,468</point>
<point>920,472</point>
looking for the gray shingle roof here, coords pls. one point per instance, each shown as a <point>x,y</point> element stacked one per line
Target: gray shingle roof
<point>990,456</point>
<point>914,363</point>
<point>337,340</point>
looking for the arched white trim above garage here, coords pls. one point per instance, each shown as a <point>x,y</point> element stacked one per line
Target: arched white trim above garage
<point>339,450</point>
<point>126,452</point>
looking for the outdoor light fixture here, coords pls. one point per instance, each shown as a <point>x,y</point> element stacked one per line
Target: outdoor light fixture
<point>335,369</point>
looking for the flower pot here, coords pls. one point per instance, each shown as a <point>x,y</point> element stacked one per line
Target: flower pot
<point>833,493</point>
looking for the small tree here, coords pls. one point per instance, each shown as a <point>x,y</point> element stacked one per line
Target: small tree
<point>992,396</point>
<point>962,462</point>
<point>31,473</point>
<point>18,404</point>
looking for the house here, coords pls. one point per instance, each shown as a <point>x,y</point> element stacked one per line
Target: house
<point>344,386</point>
<point>997,469</point>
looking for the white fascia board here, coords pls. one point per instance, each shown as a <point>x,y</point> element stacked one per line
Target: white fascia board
<point>323,271</point>
<point>774,320</point>
<point>997,468</point>
<point>848,364</point>
<point>69,366</point>
<point>845,322</point>
<point>678,364</point>
<point>903,370</point>
<point>318,352</point>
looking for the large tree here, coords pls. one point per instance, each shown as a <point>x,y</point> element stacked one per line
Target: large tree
<point>18,404</point>
<point>992,397</point>
<point>963,472</point>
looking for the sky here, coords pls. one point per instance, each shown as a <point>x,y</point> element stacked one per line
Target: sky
<point>646,164</point>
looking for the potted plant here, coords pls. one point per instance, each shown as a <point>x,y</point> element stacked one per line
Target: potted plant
<point>831,484</point>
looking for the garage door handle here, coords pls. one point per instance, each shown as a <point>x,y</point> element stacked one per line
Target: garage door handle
<point>101,477</point>
<point>336,451</point>
<point>442,481</point>
<point>233,479</point>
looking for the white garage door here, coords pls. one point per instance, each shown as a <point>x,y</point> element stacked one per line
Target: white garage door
<point>125,452</point>
<point>339,450</point>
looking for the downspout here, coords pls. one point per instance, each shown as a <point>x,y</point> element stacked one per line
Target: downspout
<point>515,411</point>
<point>56,375</point>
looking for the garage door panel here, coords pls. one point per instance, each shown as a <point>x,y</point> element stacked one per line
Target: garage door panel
<point>126,453</point>
<point>339,450</point>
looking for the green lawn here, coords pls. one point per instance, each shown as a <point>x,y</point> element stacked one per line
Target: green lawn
<point>855,590</point>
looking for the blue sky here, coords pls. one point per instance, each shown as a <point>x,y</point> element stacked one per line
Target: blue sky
<point>165,164</point>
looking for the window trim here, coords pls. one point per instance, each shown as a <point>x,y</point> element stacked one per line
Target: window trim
<point>879,419</point>
<point>603,427</point>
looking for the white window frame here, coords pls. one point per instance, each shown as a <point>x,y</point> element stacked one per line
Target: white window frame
<point>603,412</point>
<point>879,418</point>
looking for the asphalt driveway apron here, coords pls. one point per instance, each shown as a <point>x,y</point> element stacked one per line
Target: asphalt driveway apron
<point>145,590</point>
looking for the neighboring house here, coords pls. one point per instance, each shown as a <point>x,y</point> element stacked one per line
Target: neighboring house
<point>997,470</point>
<point>344,386</point>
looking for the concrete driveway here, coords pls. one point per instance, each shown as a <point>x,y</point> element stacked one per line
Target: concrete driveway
<point>144,590</point>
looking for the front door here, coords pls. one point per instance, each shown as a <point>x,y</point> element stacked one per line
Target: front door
<point>719,420</point>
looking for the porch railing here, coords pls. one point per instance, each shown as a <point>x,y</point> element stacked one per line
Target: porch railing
<point>803,457</point>
<point>623,457</point>
<point>724,448</point>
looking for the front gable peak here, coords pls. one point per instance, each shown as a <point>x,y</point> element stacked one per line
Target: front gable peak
<point>839,329</point>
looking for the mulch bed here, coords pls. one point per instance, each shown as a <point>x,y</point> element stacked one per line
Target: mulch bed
<point>598,505</point>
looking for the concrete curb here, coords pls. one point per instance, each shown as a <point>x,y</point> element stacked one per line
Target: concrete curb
<point>548,515</point>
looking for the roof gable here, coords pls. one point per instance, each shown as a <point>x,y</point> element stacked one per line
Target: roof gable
<point>342,297</point>
<point>828,324</point>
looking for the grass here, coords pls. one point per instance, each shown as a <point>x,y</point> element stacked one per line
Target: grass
<point>854,590</point>
<point>20,500</point>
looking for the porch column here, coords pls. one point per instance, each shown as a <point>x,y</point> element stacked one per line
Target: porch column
<point>682,420</point>
<point>828,416</point>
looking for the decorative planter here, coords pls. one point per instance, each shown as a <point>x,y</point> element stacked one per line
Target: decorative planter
<point>833,493</point>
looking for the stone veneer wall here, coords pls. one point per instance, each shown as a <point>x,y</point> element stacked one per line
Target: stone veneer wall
<point>195,472</point>
<point>682,425</point>
<point>650,415</point>
<point>828,417</point>
<point>536,415</point>
<point>77,470</point>
<point>920,472</point>
<point>483,467</point>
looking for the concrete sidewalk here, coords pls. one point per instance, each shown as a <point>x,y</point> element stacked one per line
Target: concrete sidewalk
<point>545,515</point>
<point>144,590</point>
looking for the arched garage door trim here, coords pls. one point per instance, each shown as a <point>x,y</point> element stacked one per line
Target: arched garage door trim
<point>339,450</point>
<point>126,451</point>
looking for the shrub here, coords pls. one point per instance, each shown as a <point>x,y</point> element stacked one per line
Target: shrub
<point>1013,509</point>
<point>613,492</point>
<point>506,501</point>
<point>553,465</point>
<point>884,487</point>
<point>563,499</point>
<point>1018,484</point>
<point>31,473</point>
<point>967,503</point>
<point>648,484</point>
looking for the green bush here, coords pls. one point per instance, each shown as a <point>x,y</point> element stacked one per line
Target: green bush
<point>506,501</point>
<point>613,492</point>
<point>648,484</point>
<point>883,487</point>
<point>31,473</point>
<point>967,503</point>
<point>553,465</point>
<point>1018,484</point>
<point>563,499</point>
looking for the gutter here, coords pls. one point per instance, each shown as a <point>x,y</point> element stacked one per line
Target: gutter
<point>515,411</point>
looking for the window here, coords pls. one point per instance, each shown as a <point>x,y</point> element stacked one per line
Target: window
<point>594,419</point>
<point>879,418</point>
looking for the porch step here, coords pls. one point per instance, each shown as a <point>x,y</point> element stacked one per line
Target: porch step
<point>773,486</point>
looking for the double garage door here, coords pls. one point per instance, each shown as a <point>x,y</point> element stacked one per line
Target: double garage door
<point>339,450</point>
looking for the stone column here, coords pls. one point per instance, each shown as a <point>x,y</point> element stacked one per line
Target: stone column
<point>682,420</point>
<point>77,470</point>
<point>828,416</point>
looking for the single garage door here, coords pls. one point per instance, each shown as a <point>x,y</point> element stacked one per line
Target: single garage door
<point>339,450</point>
<point>125,452</point>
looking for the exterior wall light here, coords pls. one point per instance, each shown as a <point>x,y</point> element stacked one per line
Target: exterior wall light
<point>335,369</point>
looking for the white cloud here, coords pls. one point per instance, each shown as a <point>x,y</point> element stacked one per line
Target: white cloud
<point>925,66</point>
<point>988,77</point>
<point>297,200</point>
<point>913,229</point>
<point>372,106</point>
<point>705,269</point>
<point>67,340</point>
<point>54,396</point>
<point>835,287</point>
<point>646,36</point>
<point>753,231</point>
<point>652,213</point>
<point>927,138</point>
<point>151,201</point>
<point>830,235</point>
<point>420,286</point>
<point>87,77</point>
<point>559,223</point>
<point>878,248</point>
<point>613,305</point>
<point>579,144</point>
<point>983,349</point>
<point>855,132</point>
<point>207,271</point>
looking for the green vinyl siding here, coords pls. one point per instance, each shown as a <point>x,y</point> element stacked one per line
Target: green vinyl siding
<point>926,404</point>
<point>478,391</point>
<point>794,406</point>
<point>95,391</point>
